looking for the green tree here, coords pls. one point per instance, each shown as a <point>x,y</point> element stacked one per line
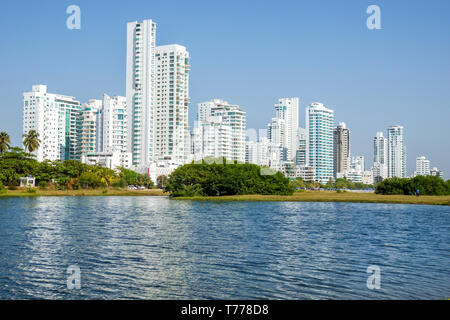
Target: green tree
<point>162,181</point>
<point>31,141</point>
<point>4,142</point>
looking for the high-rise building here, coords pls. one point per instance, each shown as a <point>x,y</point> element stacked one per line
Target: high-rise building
<point>221,127</point>
<point>115,124</point>
<point>258,152</point>
<point>171,136</point>
<point>90,129</point>
<point>319,123</point>
<point>422,166</point>
<point>140,86</point>
<point>301,157</point>
<point>357,163</point>
<point>276,131</point>
<point>57,120</point>
<point>380,153</point>
<point>396,152</point>
<point>287,110</point>
<point>341,158</point>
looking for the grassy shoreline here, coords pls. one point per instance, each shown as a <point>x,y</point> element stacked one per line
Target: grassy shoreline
<point>83,193</point>
<point>311,196</point>
<point>331,196</point>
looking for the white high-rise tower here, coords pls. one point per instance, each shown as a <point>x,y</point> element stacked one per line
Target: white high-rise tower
<point>287,110</point>
<point>380,153</point>
<point>171,139</point>
<point>319,123</point>
<point>115,124</point>
<point>140,91</point>
<point>396,152</point>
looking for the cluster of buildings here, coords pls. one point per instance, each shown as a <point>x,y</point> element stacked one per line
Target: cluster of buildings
<point>322,151</point>
<point>147,130</point>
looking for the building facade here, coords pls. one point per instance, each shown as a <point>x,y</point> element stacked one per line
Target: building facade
<point>341,151</point>
<point>287,110</point>
<point>319,123</point>
<point>380,153</point>
<point>115,124</point>
<point>221,127</point>
<point>396,152</point>
<point>422,166</point>
<point>171,137</point>
<point>57,120</point>
<point>140,85</point>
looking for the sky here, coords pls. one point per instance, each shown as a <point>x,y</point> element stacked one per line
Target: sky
<point>251,53</point>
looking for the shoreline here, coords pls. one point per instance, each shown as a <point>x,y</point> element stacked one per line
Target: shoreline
<point>329,196</point>
<point>309,196</point>
<point>111,192</point>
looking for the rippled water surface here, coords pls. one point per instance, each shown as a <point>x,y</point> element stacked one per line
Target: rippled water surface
<point>156,248</point>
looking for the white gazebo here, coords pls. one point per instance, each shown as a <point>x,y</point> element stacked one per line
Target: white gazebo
<point>28,182</point>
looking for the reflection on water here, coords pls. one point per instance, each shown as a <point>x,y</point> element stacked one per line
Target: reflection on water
<point>155,248</point>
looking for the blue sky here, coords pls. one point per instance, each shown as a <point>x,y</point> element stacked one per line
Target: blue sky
<point>251,53</point>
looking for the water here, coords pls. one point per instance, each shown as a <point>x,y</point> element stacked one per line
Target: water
<point>156,248</point>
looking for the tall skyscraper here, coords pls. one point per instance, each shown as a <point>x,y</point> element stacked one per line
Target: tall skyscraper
<point>380,153</point>
<point>396,152</point>
<point>341,158</point>
<point>57,120</point>
<point>140,85</point>
<point>171,104</point>
<point>422,166</point>
<point>115,124</point>
<point>319,123</point>
<point>287,110</point>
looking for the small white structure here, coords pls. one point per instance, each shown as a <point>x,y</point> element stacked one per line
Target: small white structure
<point>27,182</point>
<point>355,176</point>
<point>111,160</point>
<point>160,169</point>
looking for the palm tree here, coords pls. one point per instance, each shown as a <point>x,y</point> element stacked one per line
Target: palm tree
<point>31,141</point>
<point>4,142</point>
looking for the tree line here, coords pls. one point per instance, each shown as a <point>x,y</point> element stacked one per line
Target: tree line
<point>70,174</point>
<point>420,185</point>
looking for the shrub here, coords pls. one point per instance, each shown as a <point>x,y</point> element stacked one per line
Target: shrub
<point>2,188</point>
<point>226,179</point>
<point>31,190</point>
<point>43,184</point>
<point>120,183</point>
<point>12,188</point>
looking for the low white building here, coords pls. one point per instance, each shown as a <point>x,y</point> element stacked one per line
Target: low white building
<point>436,172</point>
<point>356,176</point>
<point>158,169</point>
<point>306,173</point>
<point>112,160</point>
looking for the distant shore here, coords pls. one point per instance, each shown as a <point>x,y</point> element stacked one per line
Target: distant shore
<point>82,192</point>
<point>332,196</point>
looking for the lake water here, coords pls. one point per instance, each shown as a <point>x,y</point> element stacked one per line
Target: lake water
<point>156,248</point>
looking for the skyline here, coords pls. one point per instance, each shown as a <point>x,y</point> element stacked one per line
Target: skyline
<point>422,137</point>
